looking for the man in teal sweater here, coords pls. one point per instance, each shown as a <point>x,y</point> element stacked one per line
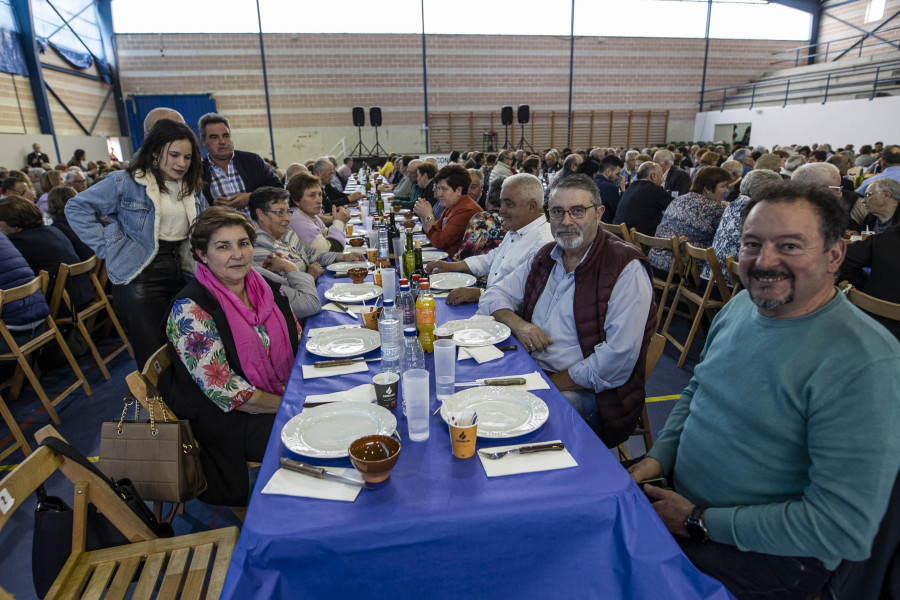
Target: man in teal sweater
<point>783,448</point>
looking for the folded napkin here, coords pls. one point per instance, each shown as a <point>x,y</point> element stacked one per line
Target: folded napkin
<point>311,372</point>
<point>291,483</point>
<point>481,354</point>
<point>318,330</point>
<point>355,308</point>
<point>440,294</point>
<point>513,464</point>
<point>533,381</point>
<point>361,393</point>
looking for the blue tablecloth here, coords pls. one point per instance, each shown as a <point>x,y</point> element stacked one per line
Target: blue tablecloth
<point>439,528</point>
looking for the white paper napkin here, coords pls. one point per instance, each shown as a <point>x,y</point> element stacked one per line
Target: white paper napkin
<point>311,372</point>
<point>354,308</point>
<point>533,381</point>
<point>319,330</point>
<point>440,294</point>
<point>291,483</point>
<point>361,393</point>
<point>481,354</point>
<point>513,464</point>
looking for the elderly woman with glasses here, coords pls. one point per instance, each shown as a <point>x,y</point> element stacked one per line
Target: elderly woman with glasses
<point>451,186</point>
<point>232,340</point>
<point>306,199</point>
<point>283,255</point>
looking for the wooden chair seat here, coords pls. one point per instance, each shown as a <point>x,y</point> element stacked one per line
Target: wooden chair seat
<point>165,568</point>
<point>697,295</point>
<point>23,354</point>
<point>83,318</point>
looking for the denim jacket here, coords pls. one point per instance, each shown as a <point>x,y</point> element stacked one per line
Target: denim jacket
<point>131,239</point>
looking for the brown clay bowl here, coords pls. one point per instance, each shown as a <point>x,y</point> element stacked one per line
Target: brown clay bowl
<point>374,456</point>
<point>410,215</point>
<point>358,274</point>
<point>410,225</point>
<point>396,208</point>
<point>356,242</point>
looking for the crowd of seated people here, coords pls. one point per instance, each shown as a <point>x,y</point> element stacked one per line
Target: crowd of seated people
<point>219,257</point>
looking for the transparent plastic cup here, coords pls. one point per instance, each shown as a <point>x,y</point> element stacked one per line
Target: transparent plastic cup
<point>416,395</point>
<point>444,368</point>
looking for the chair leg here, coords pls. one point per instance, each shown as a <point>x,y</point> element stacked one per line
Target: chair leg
<point>93,348</point>
<point>39,390</point>
<point>114,320</point>
<point>690,338</point>
<point>20,442</point>
<point>73,363</point>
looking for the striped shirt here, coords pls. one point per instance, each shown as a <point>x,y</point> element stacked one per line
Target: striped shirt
<point>226,183</point>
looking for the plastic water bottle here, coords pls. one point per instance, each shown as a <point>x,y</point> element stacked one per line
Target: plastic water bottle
<point>406,304</point>
<point>383,246</point>
<point>390,326</point>
<point>413,355</point>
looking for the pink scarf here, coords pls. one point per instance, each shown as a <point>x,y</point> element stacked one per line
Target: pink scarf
<point>268,372</point>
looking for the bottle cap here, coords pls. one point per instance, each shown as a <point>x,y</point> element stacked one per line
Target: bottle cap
<point>418,243</point>
<point>416,278</point>
<point>388,302</point>
<point>423,284</point>
<point>403,281</point>
<point>409,331</point>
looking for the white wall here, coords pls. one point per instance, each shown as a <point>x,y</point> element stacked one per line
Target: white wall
<point>854,122</point>
<point>15,146</point>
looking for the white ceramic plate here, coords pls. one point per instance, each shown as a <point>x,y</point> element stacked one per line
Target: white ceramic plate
<point>353,292</point>
<point>431,255</point>
<point>477,332</point>
<point>344,343</point>
<point>450,281</point>
<point>327,431</point>
<point>341,267</point>
<point>502,412</point>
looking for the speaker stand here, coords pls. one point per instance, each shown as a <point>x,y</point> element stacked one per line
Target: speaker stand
<point>522,143</point>
<point>359,149</point>
<point>506,137</point>
<point>377,145</point>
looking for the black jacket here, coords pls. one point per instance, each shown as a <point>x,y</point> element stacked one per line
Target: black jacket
<point>332,197</point>
<point>677,180</point>
<point>254,172</point>
<point>45,248</point>
<point>642,206</point>
<point>227,439</point>
<point>880,252</point>
<point>83,251</point>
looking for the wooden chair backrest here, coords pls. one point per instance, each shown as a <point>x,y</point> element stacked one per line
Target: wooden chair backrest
<point>876,306</point>
<point>709,255</point>
<point>38,284</point>
<point>153,368</point>
<point>60,295</point>
<point>734,271</point>
<point>654,351</point>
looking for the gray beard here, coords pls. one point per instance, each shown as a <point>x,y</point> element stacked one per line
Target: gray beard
<point>770,304</point>
<point>569,245</point>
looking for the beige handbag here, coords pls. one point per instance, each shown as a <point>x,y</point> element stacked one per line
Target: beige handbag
<point>161,458</point>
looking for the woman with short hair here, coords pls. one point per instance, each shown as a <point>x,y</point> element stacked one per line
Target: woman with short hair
<point>306,199</point>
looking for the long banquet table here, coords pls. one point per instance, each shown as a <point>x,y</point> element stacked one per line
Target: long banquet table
<point>440,528</point>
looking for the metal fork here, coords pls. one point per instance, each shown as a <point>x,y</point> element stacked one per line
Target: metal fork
<point>523,450</point>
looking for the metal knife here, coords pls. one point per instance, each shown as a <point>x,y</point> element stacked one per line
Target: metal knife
<point>523,450</point>
<point>499,381</point>
<point>319,472</point>
<point>341,362</point>
<point>344,308</point>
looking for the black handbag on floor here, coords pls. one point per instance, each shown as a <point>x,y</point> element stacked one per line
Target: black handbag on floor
<point>52,542</point>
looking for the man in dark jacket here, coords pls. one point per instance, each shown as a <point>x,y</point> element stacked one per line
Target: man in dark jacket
<point>675,181</point>
<point>644,201</point>
<point>607,181</point>
<point>229,175</point>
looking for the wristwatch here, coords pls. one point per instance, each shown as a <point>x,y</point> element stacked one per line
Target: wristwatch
<point>695,526</point>
<point>429,219</point>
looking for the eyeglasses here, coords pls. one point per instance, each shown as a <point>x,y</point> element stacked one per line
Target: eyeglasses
<point>576,212</point>
<point>836,188</point>
<point>870,194</point>
<point>282,212</point>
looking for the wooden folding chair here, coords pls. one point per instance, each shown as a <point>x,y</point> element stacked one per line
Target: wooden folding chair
<point>871,304</point>
<point>734,271</point>
<point>673,277</point>
<point>620,230</point>
<point>18,437</point>
<point>166,566</point>
<point>22,354</point>
<point>696,295</point>
<point>83,318</point>
<point>654,351</point>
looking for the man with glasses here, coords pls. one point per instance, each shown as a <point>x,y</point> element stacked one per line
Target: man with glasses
<point>583,307</point>
<point>882,201</point>
<point>825,176</point>
<point>890,168</point>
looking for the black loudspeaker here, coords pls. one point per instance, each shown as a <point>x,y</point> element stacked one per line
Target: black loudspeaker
<point>506,115</point>
<point>523,114</point>
<point>375,116</point>
<point>359,116</point>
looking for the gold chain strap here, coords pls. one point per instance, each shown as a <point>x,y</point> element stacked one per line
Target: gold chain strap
<point>153,430</point>
<point>124,411</point>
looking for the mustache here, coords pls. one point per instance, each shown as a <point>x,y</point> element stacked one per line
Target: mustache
<point>567,229</point>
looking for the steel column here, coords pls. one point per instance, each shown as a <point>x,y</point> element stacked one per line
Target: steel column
<point>706,55</point>
<point>262,54</point>
<point>425,76</point>
<point>571,69</point>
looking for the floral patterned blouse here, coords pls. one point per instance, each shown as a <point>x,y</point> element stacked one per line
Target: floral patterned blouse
<point>484,233</point>
<point>692,216</point>
<point>193,333</point>
<point>727,241</point>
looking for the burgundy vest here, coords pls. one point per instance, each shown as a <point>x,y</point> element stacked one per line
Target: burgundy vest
<point>595,277</point>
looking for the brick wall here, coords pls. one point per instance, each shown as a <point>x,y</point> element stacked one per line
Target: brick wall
<point>315,80</point>
<point>832,30</point>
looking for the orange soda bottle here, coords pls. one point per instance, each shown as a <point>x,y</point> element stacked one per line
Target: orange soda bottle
<point>425,316</point>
